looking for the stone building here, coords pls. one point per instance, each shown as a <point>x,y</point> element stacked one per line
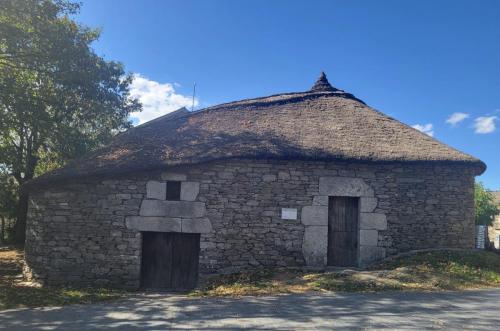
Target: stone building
<point>494,229</point>
<point>313,178</point>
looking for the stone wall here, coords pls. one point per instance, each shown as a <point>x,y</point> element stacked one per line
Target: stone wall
<point>494,233</point>
<point>88,232</point>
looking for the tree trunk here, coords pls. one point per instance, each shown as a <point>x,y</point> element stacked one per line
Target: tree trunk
<point>2,233</point>
<point>22,215</point>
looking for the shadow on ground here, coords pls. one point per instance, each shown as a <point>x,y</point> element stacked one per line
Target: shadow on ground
<point>455,310</point>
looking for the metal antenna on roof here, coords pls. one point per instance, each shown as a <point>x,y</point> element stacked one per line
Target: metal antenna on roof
<point>194,92</point>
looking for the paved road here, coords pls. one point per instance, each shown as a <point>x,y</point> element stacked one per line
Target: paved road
<point>447,310</point>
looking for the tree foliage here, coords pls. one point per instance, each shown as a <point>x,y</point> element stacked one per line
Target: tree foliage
<point>486,206</point>
<point>58,98</point>
<point>8,195</point>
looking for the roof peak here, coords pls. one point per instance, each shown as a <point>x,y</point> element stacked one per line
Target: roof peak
<point>322,84</point>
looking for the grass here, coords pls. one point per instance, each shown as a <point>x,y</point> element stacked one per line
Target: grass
<point>429,271</point>
<point>15,293</point>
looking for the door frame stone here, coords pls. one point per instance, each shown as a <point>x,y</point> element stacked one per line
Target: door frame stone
<point>315,220</point>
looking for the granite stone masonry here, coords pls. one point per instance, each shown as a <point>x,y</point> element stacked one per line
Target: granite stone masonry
<point>88,231</point>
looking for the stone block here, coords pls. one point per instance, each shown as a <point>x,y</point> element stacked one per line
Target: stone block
<point>368,237</point>
<point>189,191</point>
<point>314,245</point>
<point>344,186</point>
<point>368,204</point>
<point>156,224</point>
<point>59,219</point>
<point>225,175</point>
<point>315,215</point>
<point>370,254</point>
<point>269,178</point>
<point>174,176</point>
<point>199,225</point>
<point>320,200</point>
<point>156,190</point>
<point>187,209</point>
<point>283,175</point>
<point>373,221</point>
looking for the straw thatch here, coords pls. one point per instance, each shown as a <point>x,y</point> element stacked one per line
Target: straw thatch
<point>321,124</point>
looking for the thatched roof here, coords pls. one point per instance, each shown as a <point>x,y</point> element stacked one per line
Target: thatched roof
<point>323,123</point>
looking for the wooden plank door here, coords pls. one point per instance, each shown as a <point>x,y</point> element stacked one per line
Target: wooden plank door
<point>343,225</point>
<point>185,261</point>
<point>156,260</point>
<point>169,260</point>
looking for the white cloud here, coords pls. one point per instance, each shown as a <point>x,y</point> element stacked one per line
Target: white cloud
<point>425,128</point>
<point>157,98</point>
<point>485,124</point>
<point>456,118</point>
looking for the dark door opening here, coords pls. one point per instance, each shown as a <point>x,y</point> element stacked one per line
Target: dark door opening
<point>343,233</point>
<point>170,260</point>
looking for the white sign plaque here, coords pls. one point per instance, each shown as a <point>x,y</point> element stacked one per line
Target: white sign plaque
<point>289,213</point>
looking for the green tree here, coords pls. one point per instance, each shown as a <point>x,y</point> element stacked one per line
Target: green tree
<point>58,98</point>
<point>486,207</point>
<point>8,198</point>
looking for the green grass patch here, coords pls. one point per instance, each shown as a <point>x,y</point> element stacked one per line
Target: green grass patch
<point>449,270</point>
<point>430,271</point>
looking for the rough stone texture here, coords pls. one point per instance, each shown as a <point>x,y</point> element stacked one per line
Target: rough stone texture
<point>315,215</point>
<point>320,200</point>
<point>197,225</point>
<point>155,224</point>
<point>77,232</point>
<point>187,209</point>
<point>156,190</point>
<point>189,191</point>
<point>315,245</point>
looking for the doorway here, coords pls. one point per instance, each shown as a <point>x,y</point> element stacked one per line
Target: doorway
<point>343,231</point>
<point>170,260</point>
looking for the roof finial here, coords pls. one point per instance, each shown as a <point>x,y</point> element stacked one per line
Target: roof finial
<point>322,84</point>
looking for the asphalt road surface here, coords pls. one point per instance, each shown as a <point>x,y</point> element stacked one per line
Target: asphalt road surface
<point>474,310</point>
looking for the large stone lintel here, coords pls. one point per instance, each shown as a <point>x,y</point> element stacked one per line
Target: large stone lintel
<point>166,224</point>
<point>185,209</point>
<point>344,186</point>
<point>156,224</point>
<point>174,176</point>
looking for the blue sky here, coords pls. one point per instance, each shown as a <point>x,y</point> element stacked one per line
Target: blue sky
<point>418,61</point>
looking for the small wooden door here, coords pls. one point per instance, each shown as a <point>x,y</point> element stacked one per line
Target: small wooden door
<point>343,225</point>
<point>170,260</point>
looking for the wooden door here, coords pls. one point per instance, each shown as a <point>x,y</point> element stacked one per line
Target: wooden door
<point>170,260</point>
<point>343,225</point>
